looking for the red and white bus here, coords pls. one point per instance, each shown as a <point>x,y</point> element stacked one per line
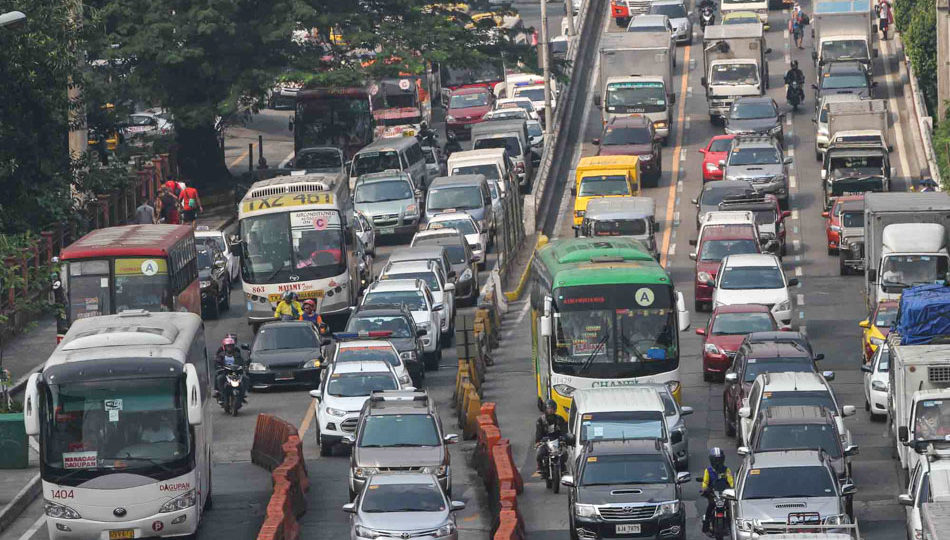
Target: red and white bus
<point>150,267</point>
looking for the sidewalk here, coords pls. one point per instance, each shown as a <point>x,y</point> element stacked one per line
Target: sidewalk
<point>18,488</point>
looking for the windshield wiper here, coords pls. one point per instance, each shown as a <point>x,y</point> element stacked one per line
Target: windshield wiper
<point>279,270</point>
<point>590,359</point>
<point>153,461</point>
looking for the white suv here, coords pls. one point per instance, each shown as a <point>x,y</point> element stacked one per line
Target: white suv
<point>443,293</point>
<point>341,396</point>
<point>418,299</point>
<point>476,237</point>
<point>365,350</point>
<point>754,278</point>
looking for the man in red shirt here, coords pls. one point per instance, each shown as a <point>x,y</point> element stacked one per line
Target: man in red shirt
<point>190,205</point>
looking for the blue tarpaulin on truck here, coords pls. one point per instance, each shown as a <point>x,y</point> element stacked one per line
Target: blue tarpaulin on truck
<point>924,314</point>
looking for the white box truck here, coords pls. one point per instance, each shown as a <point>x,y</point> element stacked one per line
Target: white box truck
<point>842,31</point>
<point>734,65</point>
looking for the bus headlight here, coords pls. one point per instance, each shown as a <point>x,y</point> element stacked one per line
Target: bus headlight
<point>256,366</point>
<point>179,503</point>
<point>60,511</point>
<point>564,390</point>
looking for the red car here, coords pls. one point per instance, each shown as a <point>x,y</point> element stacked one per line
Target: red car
<point>833,221</point>
<point>717,150</point>
<point>726,329</point>
<point>717,242</point>
<point>467,106</point>
<point>633,136</point>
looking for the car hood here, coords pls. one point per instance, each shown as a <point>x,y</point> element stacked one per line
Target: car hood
<point>384,207</point>
<point>777,510</point>
<point>860,91</point>
<point>403,521</point>
<point>352,404</point>
<point>744,172</point>
<point>626,493</point>
<point>751,125</point>
<point>728,343</point>
<point>625,150</point>
<point>417,456</point>
<point>468,112</point>
<point>421,318</point>
<point>751,296</point>
<point>679,23</point>
<point>283,357</point>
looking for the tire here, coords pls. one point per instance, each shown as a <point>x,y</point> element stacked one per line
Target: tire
<point>818,156</point>
<point>326,449</point>
<point>729,428</point>
<point>698,305</point>
<point>548,483</point>
<point>432,360</point>
<point>842,267</point>
<point>867,406</point>
<point>352,494</point>
<point>832,251</point>
<point>707,377</point>
<point>226,306</point>
<point>235,403</point>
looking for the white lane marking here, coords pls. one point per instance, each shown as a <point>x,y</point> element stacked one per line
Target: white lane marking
<point>800,299</point>
<point>788,59</point>
<point>672,250</point>
<point>894,106</point>
<point>795,211</point>
<point>803,329</point>
<point>676,218</point>
<point>33,528</point>
<point>795,229</point>
<point>785,33</point>
<point>679,186</point>
<point>283,163</point>
<point>798,271</point>
<point>797,246</point>
<point>788,120</point>
<point>791,152</point>
<point>792,182</point>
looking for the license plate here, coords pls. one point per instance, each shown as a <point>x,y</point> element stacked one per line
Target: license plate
<point>284,376</point>
<point>387,230</point>
<point>121,534</point>
<point>628,529</point>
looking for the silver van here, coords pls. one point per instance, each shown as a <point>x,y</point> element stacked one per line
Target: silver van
<point>403,154</point>
<point>622,216</point>
<point>467,193</point>
<point>513,136</point>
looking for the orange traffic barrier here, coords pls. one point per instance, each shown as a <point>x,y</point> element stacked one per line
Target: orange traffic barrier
<point>488,407</point>
<point>275,438</point>
<point>508,527</point>
<point>270,434</point>
<point>472,408</point>
<point>505,465</point>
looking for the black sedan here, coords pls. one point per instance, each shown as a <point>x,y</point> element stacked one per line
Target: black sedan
<point>393,324</point>
<point>285,353</point>
<point>214,281</point>
<point>756,116</point>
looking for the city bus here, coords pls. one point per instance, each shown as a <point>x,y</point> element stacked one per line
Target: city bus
<point>604,313</point>
<point>150,267</point>
<point>122,413</point>
<point>339,117</point>
<point>294,237</point>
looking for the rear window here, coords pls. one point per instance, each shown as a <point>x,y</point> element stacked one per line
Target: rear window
<point>720,145</point>
<point>510,143</point>
<point>489,170</point>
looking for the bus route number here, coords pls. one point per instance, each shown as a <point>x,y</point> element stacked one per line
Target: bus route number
<point>282,200</point>
<point>63,494</point>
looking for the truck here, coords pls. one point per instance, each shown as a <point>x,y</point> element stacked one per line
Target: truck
<point>623,10</point>
<point>848,118</point>
<point>636,77</point>
<point>935,518</point>
<point>915,251</point>
<point>919,376</point>
<point>854,165</point>
<point>734,65</point>
<point>842,31</point>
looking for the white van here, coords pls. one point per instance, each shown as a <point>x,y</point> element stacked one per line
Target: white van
<point>617,413</point>
<point>494,163</point>
<point>402,154</point>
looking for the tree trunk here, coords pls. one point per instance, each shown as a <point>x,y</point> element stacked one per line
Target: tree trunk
<point>200,158</point>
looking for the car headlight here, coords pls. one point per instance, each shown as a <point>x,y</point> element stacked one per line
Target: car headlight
<point>783,305</point>
<point>60,511</point>
<point>450,118</point>
<point>668,508</point>
<point>366,532</point>
<point>412,210</point>
<point>441,470</point>
<point>877,342</point>
<point>445,530</point>
<point>363,472</point>
<point>778,178</point>
<point>585,510</point>
<point>703,277</point>
<point>880,386</point>
<point>837,519</point>
<point>335,412</point>
<point>204,284</point>
<point>645,157</point>
<point>564,390</point>
<point>775,129</point>
<point>310,364</point>
<point>256,366</point>
<point>745,524</point>
<point>732,131</point>
<point>408,355</point>
<point>466,275</point>
<point>179,503</point>
<point>404,379</point>
<point>711,348</point>
<point>711,167</point>
<point>659,125</point>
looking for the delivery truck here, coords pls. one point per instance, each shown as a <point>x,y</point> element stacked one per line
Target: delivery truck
<point>734,65</point>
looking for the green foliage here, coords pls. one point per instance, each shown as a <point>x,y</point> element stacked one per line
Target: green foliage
<point>917,20</point>
<point>941,140</point>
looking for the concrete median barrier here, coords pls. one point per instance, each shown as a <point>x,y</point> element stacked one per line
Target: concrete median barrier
<point>473,408</point>
<point>278,448</point>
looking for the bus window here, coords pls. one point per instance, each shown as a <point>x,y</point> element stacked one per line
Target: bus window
<point>88,289</point>
<point>310,244</point>
<point>142,283</point>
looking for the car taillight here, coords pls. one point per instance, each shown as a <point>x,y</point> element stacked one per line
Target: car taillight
<point>519,167</point>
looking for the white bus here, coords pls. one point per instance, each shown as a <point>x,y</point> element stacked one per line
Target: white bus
<point>121,409</point>
<point>294,238</point>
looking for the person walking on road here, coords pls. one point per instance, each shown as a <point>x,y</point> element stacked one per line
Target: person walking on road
<point>144,214</point>
<point>885,17</point>
<point>168,209</point>
<point>796,25</point>
<point>190,205</point>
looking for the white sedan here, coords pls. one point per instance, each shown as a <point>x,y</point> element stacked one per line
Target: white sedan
<point>521,103</point>
<point>876,382</point>
<point>477,239</point>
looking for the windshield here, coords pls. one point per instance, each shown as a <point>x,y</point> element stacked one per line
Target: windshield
<point>204,260</point>
<point>712,196</point>
<point>456,252</point>
<point>816,398</point>
<point>716,250</point>
<point>534,94</point>
<point>720,145</point>
<point>932,420</point>
<point>390,430</point>
<point>833,81</point>
<point>413,300</point>
<point>137,426</point>
<point>510,143</point>
<point>371,162</point>
<point>732,324</point>
<point>396,324</point>
<point>341,120</point>
<point>631,469</point>
<point>464,226</point>
<point>358,353</point>
<point>765,217</point>
<point>390,190</point>
<point>402,498</point>
<point>359,384</point>
<point>672,11</point>
<point>139,283</point>
<point>429,277</point>
<point>908,270</point>
<point>886,316</point>
<point>752,277</point>
<point>534,129</point>
<point>739,19</point>
<point>754,156</point>
<point>747,110</point>
<point>757,366</point>
<point>600,185</point>
<point>523,104</point>
<point>454,77</point>
<point>788,482</point>
<point>463,101</point>
<point>293,246</point>
<point>629,97</point>
<point>852,219</point>
<point>801,436</point>
<point>604,331</point>
<point>856,166</point>
<point>212,242</point>
<point>855,49</point>
<point>620,227</point>
<point>490,171</point>
<point>627,135</point>
<point>884,360</point>
<point>459,198</point>
<point>295,336</point>
<point>318,159</point>
<point>615,426</point>
<point>735,74</point>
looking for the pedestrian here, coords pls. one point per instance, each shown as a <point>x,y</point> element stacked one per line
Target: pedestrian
<point>168,210</point>
<point>885,17</point>
<point>797,24</point>
<point>174,187</point>
<point>190,205</point>
<point>144,214</point>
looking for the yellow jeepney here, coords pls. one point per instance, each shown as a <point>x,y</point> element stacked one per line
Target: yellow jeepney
<point>604,176</point>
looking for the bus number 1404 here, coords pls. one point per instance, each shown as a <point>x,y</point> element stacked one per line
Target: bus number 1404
<point>62,494</point>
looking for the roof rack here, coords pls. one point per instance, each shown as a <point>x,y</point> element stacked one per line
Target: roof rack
<point>379,396</point>
<point>751,137</point>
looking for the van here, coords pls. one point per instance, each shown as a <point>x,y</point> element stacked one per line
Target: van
<point>513,136</point>
<point>427,253</point>
<point>622,216</point>
<point>604,176</point>
<point>617,413</point>
<point>467,193</point>
<point>403,154</point>
<point>494,163</point>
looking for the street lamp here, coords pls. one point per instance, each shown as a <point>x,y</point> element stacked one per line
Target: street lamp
<point>12,19</point>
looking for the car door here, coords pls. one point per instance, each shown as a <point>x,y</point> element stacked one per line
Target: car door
<point>753,402</point>
<point>435,316</point>
<point>914,490</point>
<point>733,391</point>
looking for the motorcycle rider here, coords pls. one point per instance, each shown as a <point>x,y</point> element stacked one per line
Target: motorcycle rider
<point>706,4</point>
<point>716,477</point>
<point>549,425</point>
<point>426,135</point>
<point>228,354</point>
<point>792,75</point>
<point>288,308</point>
<point>451,144</point>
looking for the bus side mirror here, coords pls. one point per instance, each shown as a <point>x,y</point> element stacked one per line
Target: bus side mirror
<point>31,405</point>
<point>193,395</point>
<point>546,329</point>
<point>681,312</point>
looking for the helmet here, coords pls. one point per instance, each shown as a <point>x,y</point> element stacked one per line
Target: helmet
<point>450,135</point>
<point>290,296</point>
<point>550,404</point>
<point>228,340</point>
<point>310,303</point>
<point>794,64</point>
<point>717,458</point>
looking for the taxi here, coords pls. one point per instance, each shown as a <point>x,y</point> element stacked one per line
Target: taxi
<point>604,176</point>
<point>877,326</point>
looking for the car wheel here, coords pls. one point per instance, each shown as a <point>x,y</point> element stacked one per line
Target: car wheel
<point>707,376</point>
<point>326,448</point>
<point>226,305</point>
<point>698,305</point>
<point>842,267</point>
<point>817,156</point>
<point>730,429</point>
<point>832,251</point>
<point>867,405</point>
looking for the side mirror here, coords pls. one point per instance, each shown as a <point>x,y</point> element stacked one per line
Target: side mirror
<point>867,368</point>
<point>349,508</point>
<point>905,499</point>
<point>851,450</point>
<point>574,190</point>
<point>682,314</point>
<point>597,100</point>
<point>814,86</point>
<point>902,434</point>
<point>193,395</point>
<point>732,377</point>
<point>451,438</point>
<point>695,201</point>
<point>702,151</point>
<point>700,331</point>
<point>814,120</point>
<point>848,410</point>
<point>567,480</point>
<point>814,56</point>
<point>315,394</point>
<point>31,405</point>
<point>457,505</point>
<point>449,287</point>
<point>692,255</point>
<point>693,241</point>
<point>743,450</point>
<point>786,214</point>
<point>683,477</point>
<point>828,375</point>
<point>744,412</point>
<point>702,81</point>
<point>768,50</point>
<point>819,356</point>
<point>686,410</point>
<point>793,282</point>
<point>729,494</point>
<point>823,174</point>
<point>421,331</point>
<point>848,489</point>
<point>825,214</point>
<point>788,161</point>
<point>438,306</point>
<point>866,323</point>
<point>722,163</point>
<point>872,275</point>
<point>546,326</point>
<point>595,142</point>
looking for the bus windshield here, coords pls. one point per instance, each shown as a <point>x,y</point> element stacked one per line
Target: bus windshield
<point>341,120</point>
<point>307,244</point>
<point>138,283</point>
<point>136,426</point>
<point>604,331</point>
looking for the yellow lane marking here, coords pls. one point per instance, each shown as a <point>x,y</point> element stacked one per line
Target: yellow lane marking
<point>307,419</point>
<point>237,161</point>
<point>677,150</point>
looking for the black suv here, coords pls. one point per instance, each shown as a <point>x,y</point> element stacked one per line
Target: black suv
<point>399,431</point>
<point>394,324</point>
<point>626,488</point>
<point>214,281</point>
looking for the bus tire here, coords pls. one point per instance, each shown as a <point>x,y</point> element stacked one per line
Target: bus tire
<point>214,310</point>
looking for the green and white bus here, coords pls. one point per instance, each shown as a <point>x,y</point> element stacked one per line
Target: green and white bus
<point>604,313</point>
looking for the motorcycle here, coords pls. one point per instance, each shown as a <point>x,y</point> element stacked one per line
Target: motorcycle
<point>232,394</point>
<point>794,95</point>
<point>706,17</point>
<point>554,462</point>
<point>719,526</point>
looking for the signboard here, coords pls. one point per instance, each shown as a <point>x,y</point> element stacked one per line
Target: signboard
<point>142,266</point>
<point>286,200</point>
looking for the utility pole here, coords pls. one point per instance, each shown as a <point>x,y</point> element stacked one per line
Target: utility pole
<point>546,70</point>
<point>78,135</point>
<point>569,9</point>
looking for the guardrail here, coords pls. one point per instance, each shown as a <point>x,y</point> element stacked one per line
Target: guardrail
<point>277,448</point>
